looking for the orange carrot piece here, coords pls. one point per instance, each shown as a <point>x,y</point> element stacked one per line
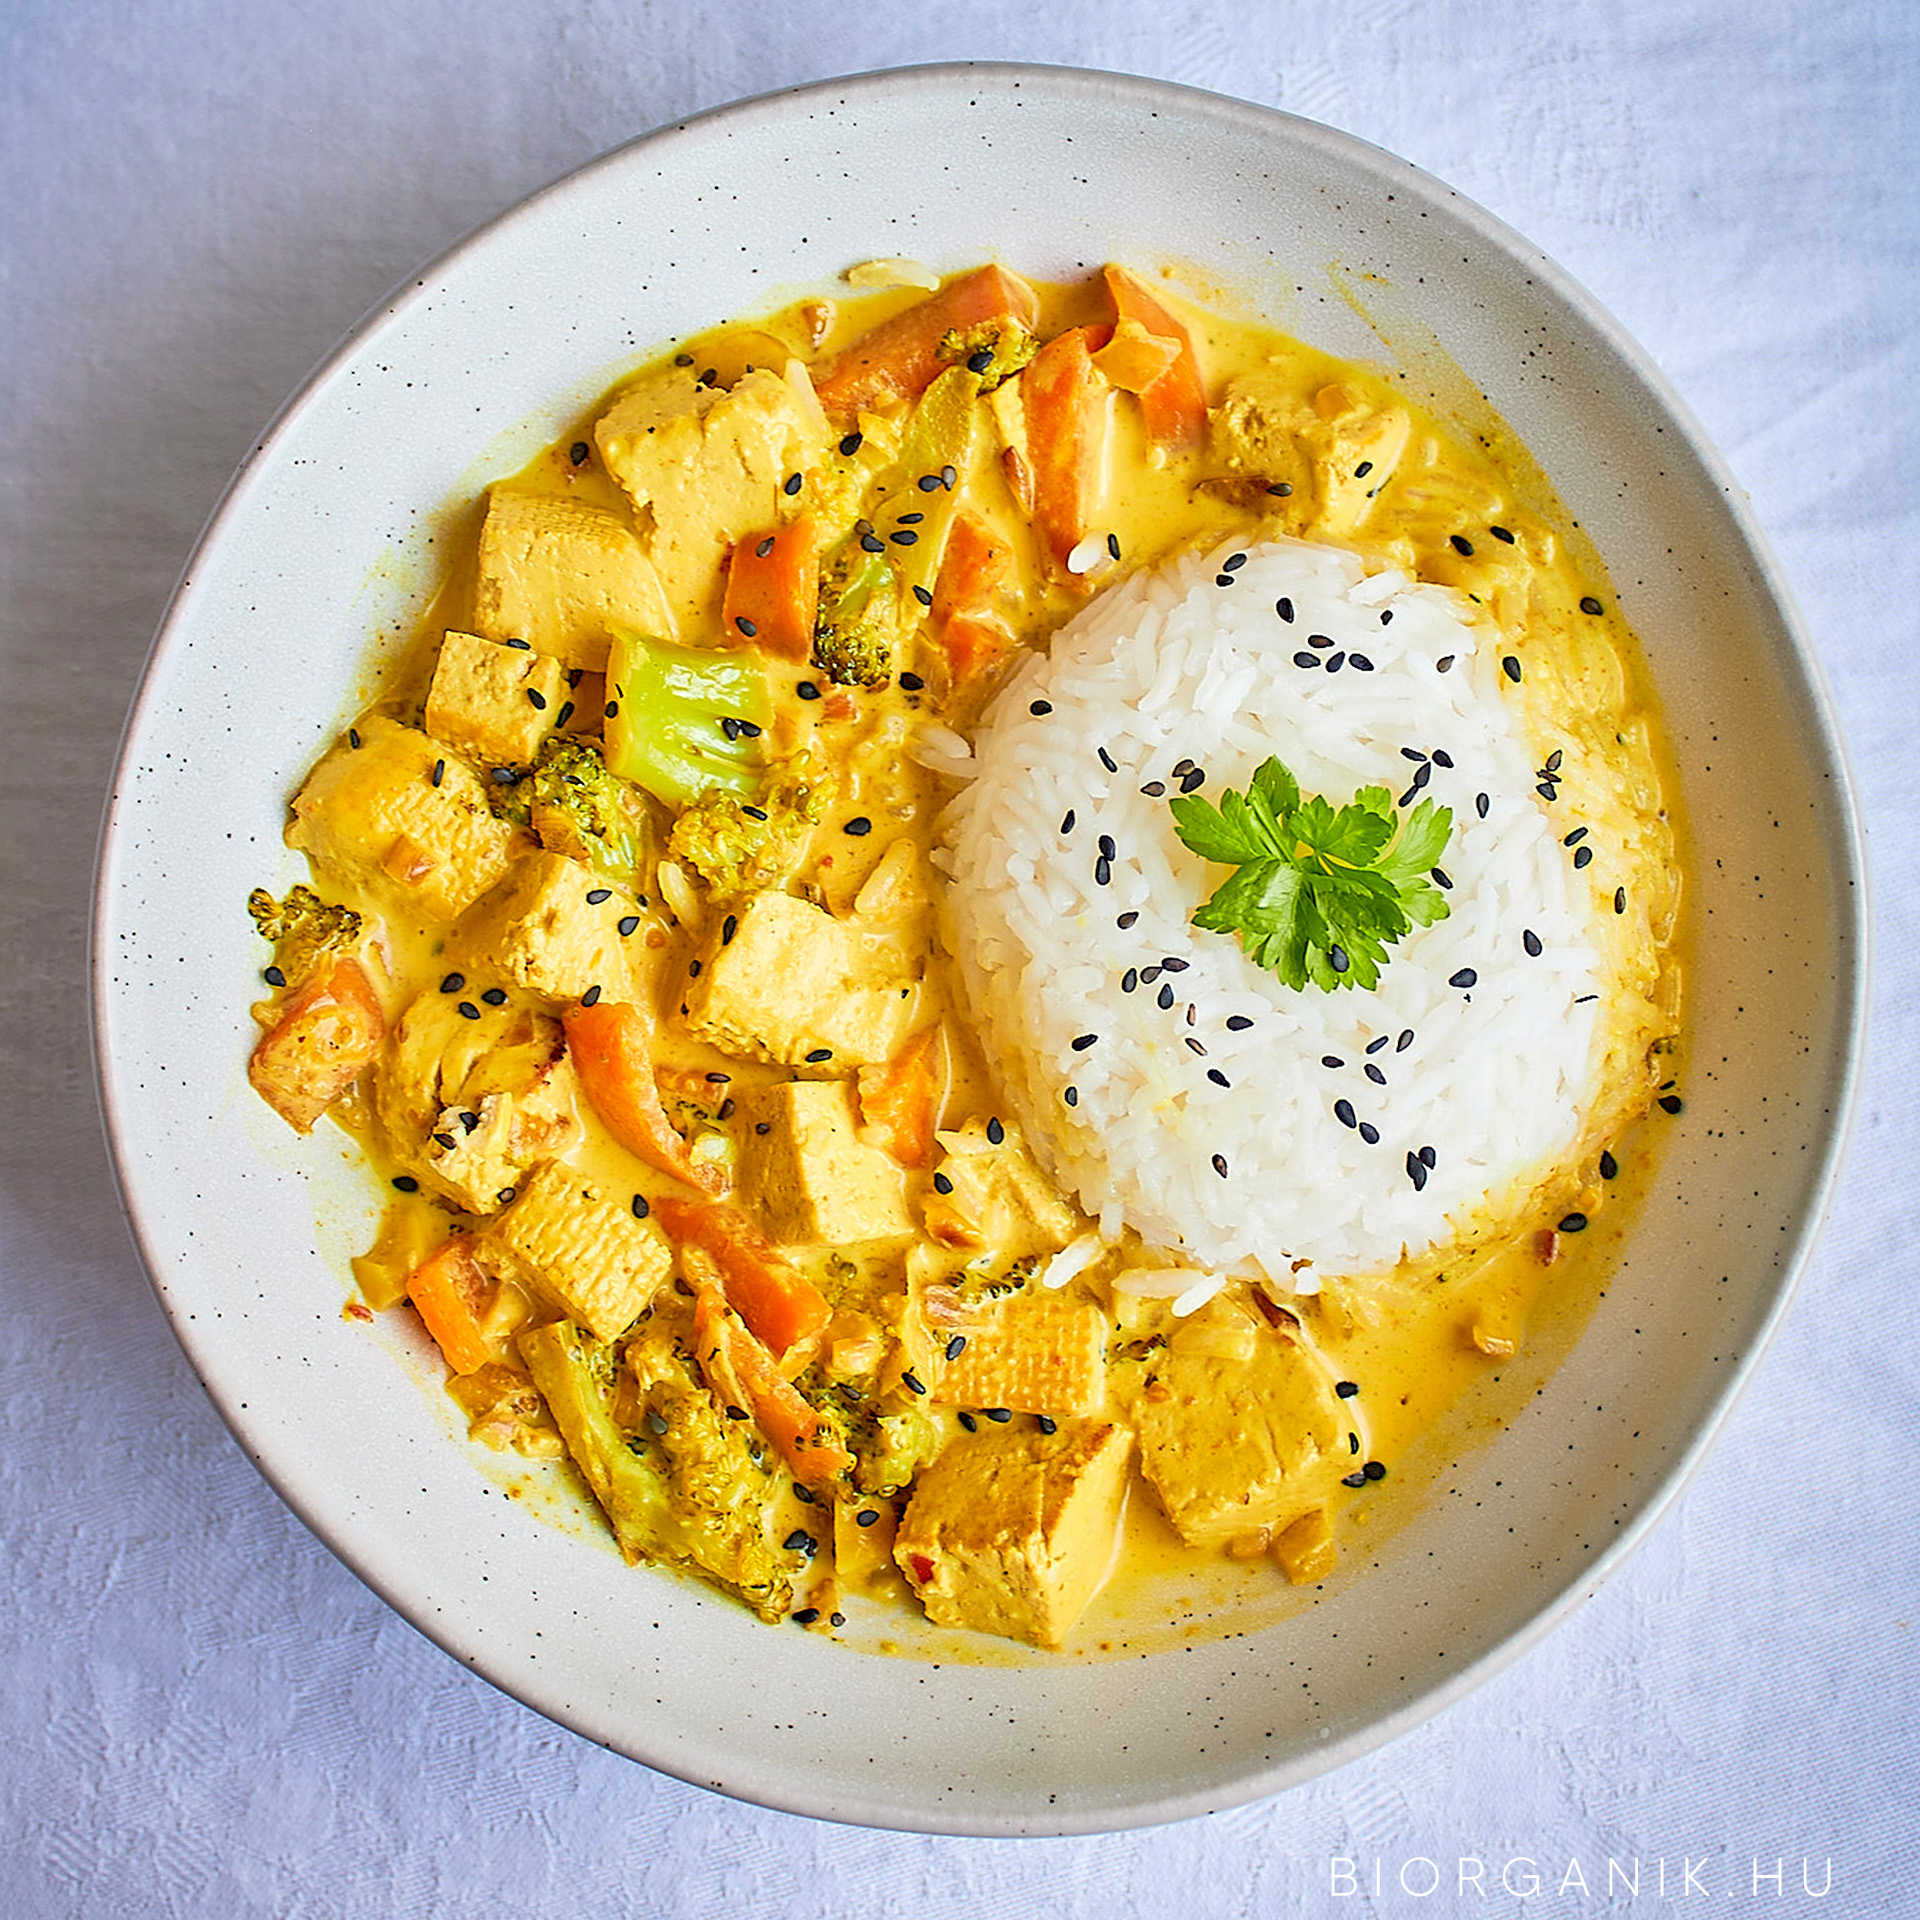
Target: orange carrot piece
<point>610,1046</point>
<point>973,570</point>
<point>898,1100</point>
<point>1175,405</point>
<point>773,589</point>
<point>1065,402</point>
<point>778,1302</point>
<point>329,1030</point>
<point>899,358</point>
<point>778,1408</point>
<point>452,1295</point>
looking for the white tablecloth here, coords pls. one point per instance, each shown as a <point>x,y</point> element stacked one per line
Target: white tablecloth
<point>203,1713</point>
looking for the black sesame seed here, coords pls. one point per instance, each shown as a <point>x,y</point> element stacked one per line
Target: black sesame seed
<point>912,681</point>
<point>912,1382</point>
<point>1040,708</point>
<point>807,690</point>
<point>1218,1078</point>
<point>928,483</point>
<point>728,928</point>
<point>1592,606</point>
<point>1501,534</point>
<point>981,361</point>
<point>998,1415</point>
<point>504,777</point>
<point>1416,1172</point>
<point>1071,1096</point>
<point>1335,661</point>
<point>1343,1112</point>
<point>1445,665</point>
<point>693,969</point>
<point>1441,878</point>
<point>730,726</point>
<point>1337,959</point>
<point>1320,640</point>
<point>798,1541</point>
<point>469,1121</point>
<point>453,982</point>
<point>807,1616</point>
<point>1373,1470</point>
<point>1106,846</point>
<point>1102,871</point>
<point>1574,1223</point>
<point>1353,1444</point>
<point>1374,1074</point>
<point>1082,1041</point>
<point>850,445</point>
<point>1466,977</point>
<point>1284,608</point>
<point>1172,964</point>
<point>1164,999</point>
<point>1194,1046</point>
<point>1238,1023</point>
<point>1280,489</point>
<point>941,1184</point>
<point>591,998</point>
<point>1126,920</point>
<point>1346,1389</point>
<point>353,736</point>
<point>1359,663</point>
<point>911,519</point>
<point>1232,563</point>
<point>1671,1103</point>
<point>969,1422</point>
<point>926,600</point>
<point>274,977</point>
<point>903,537</point>
<point>1331,1060</point>
<point>406,1183</point>
<point>1428,1156</point>
<point>1619,899</point>
<point>1510,666</point>
<point>536,700</point>
<point>866,1517</point>
<point>995,1131</point>
<point>495,996</point>
<point>1386,616</point>
<point>1411,753</point>
<point>1404,1041</point>
<point>1609,1166</point>
<point>819,1054</point>
<point>746,626</point>
<point>1441,757</point>
<point>1369,1133</point>
<point>1220,1165</point>
<point>1481,804</point>
<point>439,771</point>
<point>597,896</point>
<point>1531,941</point>
<point>859,827</point>
<point>1154,789</point>
<point>1046,1423</point>
<point>1363,469</point>
<point>1353,1479</point>
<point>872,543</point>
<point>1113,546</point>
<point>629,924</point>
<point>949,478</point>
<point>1107,760</point>
<point>754,813</point>
<point>446,1140</point>
<point>1460,543</point>
<point>1553,761</point>
<point>521,646</point>
<point>791,485</point>
<point>1374,1046</point>
<point>468,1011</point>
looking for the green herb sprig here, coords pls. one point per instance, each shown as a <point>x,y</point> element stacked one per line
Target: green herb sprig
<point>1320,892</point>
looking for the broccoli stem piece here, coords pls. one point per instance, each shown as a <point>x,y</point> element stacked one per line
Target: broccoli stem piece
<point>684,720</point>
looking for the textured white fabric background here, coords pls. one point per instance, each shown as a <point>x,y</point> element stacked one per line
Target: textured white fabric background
<point>201,1713</point>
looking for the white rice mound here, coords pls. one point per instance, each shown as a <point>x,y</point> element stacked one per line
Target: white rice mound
<point>1196,663</point>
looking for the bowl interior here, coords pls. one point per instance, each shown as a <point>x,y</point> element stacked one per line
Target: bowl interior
<point>328,542</point>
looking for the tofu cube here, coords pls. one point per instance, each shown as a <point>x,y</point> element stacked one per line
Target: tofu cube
<point>1035,1351</point>
<point>797,987</point>
<point>813,1179</point>
<point>377,814</point>
<point>710,472</point>
<point>476,1154</point>
<point>1240,1429</point>
<point>553,927</point>
<point>1013,1531</point>
<point>493,699</point>
<point>576,1247</point>
<point>991,1194</point>
<point>325,1034</point>
<point>558,573</point>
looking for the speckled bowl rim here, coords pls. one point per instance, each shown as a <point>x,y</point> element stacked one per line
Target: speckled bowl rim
<point>1815,721</point>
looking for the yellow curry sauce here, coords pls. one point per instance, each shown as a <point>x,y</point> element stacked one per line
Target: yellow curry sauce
<point>472,1026</point>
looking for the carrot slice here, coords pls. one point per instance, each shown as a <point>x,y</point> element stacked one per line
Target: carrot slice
<point>973,570</point>
<point>452,1295</point>
<point>898,1099</point>
<point>329,1030</point>
<point>1174,405</point>
<point>610,1046</point>
<point>1065,401</point>
<point>728,1353</point>
<point>777,1301</point>
<point>899,358</point>
<point>773,589</point>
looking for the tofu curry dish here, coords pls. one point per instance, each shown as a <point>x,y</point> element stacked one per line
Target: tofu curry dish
<point>769,935</point>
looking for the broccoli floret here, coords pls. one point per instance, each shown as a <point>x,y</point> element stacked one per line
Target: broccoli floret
<point>995,350</point>
<point>578,806</point>
<point>739,846</point>
<point>683,721</point>
<point>304,928</point>
<point>890,1439</point>
<point>858,625</point>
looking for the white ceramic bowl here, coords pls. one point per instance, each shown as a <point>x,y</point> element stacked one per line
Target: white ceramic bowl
<point>330,535</point>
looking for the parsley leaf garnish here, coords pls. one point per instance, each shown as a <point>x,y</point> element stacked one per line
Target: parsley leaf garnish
<point>1316,885</point>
